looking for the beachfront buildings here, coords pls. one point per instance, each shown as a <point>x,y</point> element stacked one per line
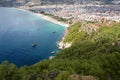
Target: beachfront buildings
<point>78,12</point>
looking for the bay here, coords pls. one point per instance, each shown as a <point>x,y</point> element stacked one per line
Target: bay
<point>19,30</point>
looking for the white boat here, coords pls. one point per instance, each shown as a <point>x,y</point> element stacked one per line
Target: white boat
<point>53,52</point>
<point>34,45</point>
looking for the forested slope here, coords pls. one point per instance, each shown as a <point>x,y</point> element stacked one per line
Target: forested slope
<point>95,55</point>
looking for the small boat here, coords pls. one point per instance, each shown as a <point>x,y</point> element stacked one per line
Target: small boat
<point>53,52</point>
<point>34,45</point>
<point>54,32</point>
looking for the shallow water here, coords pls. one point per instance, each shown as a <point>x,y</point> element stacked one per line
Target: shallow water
<point>19,29</point>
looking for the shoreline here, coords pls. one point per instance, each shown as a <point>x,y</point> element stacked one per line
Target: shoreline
<point>48,18</point>
<point>60,43</point>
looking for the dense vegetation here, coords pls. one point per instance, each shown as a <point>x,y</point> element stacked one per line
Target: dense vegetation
<point>97,55</point>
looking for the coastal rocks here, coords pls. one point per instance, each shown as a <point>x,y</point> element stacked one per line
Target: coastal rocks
<point>62,45</point>
<point>51,57</point>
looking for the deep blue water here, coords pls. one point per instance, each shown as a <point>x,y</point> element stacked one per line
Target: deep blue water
<point>19,29</point>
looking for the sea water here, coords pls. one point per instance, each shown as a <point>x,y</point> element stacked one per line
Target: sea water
<point>19,30</point>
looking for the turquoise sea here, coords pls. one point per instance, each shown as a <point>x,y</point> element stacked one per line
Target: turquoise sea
<point>19,30</point>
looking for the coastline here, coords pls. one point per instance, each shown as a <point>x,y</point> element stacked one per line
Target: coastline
<point>60,44</point>
<point>48,18</point>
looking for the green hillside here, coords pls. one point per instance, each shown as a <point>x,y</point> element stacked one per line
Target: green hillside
<point>95,55</point>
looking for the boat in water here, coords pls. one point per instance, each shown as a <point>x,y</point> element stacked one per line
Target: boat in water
<point>54,32</point>
<point>53,52</point>
<point>34,45</point>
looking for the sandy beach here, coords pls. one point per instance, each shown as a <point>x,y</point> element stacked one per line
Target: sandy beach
<point>52,20</point>
<point>48,18</point>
